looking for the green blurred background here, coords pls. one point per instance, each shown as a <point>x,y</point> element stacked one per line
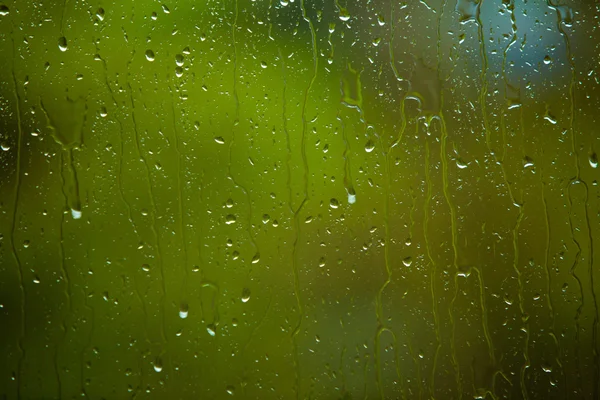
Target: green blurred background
<point>299,199</point>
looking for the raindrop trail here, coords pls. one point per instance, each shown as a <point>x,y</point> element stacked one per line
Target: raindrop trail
<point>434,300</point>
<point>549,280</point>
<point>61,253</point>
<point>436,318</point>
<point>230,175</point>
<point>595,350</point>
<point>524,317</point>
<point>444,158</point>
<point>16,197</point>
<point>153,226</point>
<point>388,278</point>
<point>483,77</point>
<point>185,276</point>
<point>121,146</point>
<point>305,195</point>
<point>578,179</point>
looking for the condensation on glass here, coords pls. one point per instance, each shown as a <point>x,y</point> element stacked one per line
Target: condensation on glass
<point>299,199</point>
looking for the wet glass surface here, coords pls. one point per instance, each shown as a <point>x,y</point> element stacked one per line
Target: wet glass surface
<point>299,199</point>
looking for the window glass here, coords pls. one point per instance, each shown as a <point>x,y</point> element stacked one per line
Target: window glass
<point>299,199</point>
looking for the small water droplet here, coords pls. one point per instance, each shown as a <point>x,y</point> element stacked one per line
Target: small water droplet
<point>220,140</point>
<point>230,219</point>
<point>263,64</point>
<point>333,203</point>
<point>547,60</point>
<point>322,262</point>
<point>351,198</point>
<point>527,162</point>
<point>157,364</point>
<point>211,329</point>
<point>245,295</point>
<point>380,20</point>
<point>593,159</point>
<point>36,279</point>
<point>461,164</point>
<point>145,268</point>
<point>407,261</point>
<point>183,311</point>
<point>100,14</point>
<point>76,214</point>
<point>266,218</point>
<point>150,55</point>
<point>230,390</point>
<point>3,10</point>
<point>369,146</point>
<point>546,368</point>
<point>179,60</point>
<point>256,258</point>
<point>26,243</point>
<point>229,203</point>
<point>62,44</point>
<point>166,9</point>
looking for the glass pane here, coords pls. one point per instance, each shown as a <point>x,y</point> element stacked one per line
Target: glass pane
<point>299,199</point>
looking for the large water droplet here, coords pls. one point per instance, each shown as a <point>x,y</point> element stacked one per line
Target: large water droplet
<point>593,160</point>
<point>62,43</point>
<point>245,295</point>
<point>183,311</point>
<point>149,55</point>
<point>211,329</point>
<point>157,364</point>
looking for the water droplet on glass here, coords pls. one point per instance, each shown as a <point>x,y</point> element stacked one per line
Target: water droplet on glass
<point>230,219</point>
<point>149,55</point>
<point>4,10</point>
<point>219,140</point>
<point>62,43</point>
<point>256,258</point>
<point>157,365</point>
<point>229,203</point>
<point>547,60</point>
<point>407,261</point>
<point>322,262</point>
<point>380,20</point>
<point>230,390</point>
<point>145,267</point>
<point>266,218</point>
<point>76,214</point>
<point>344,15</point>
<point>593,160</point>
<point>245,295</point>
<point>179,60</point>
<point>211,329</point>
<point>100,14</point>
<point>26,243</point>
<point>369,146</point>
<point>263,64</point>
<point>351,197</point>
<point>166,9</point>
<point>183,311</point>
<point>461,164</point>
<point>527,162</point>
<point>546,368</point>
<point>36,279</point>
<point>333,203</point>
